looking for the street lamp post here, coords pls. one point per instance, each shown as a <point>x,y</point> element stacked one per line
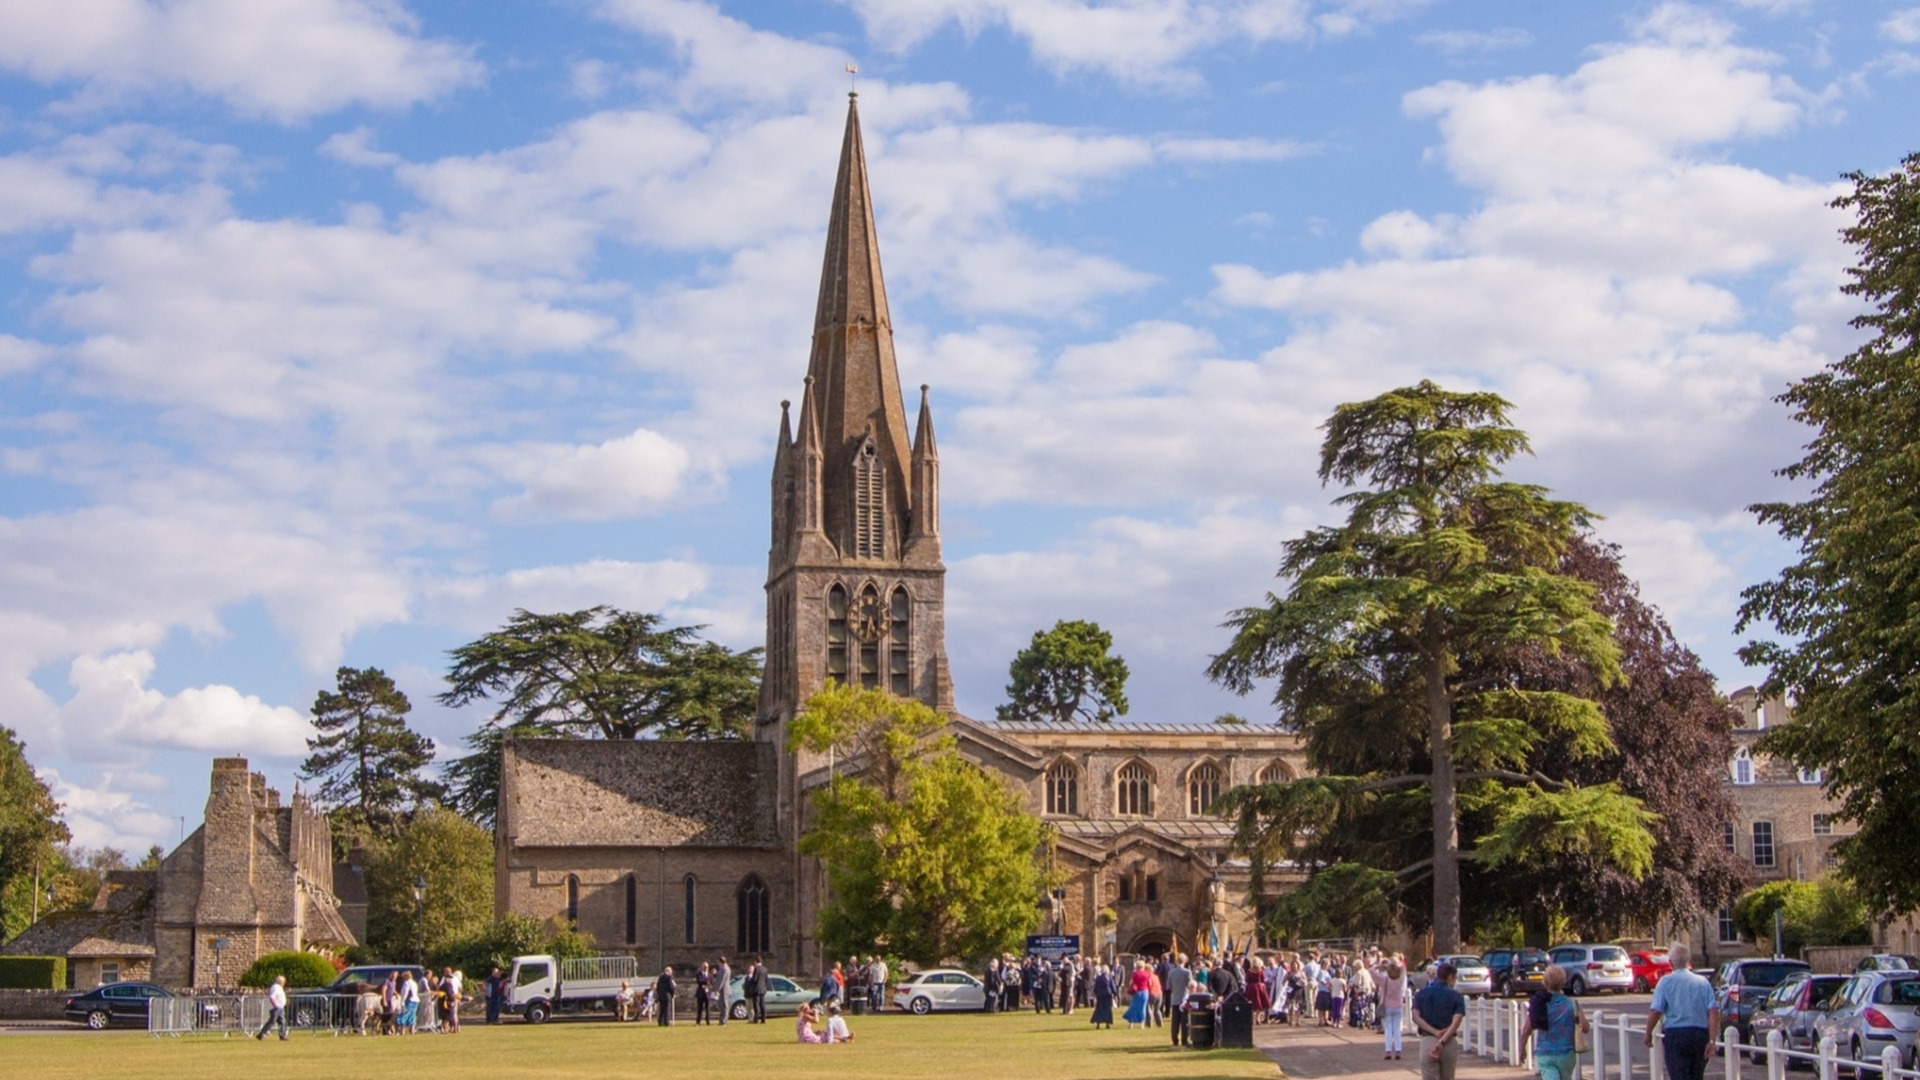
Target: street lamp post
<point>420,919</point>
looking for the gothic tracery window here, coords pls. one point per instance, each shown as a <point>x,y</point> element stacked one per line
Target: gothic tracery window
<point>1134,790</point>
<point>1275,772</point>
<point>751,921</point>
<point>1203,788</point>
<point>1063,788</point>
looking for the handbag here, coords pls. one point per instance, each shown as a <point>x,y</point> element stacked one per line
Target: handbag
<point>1582,1041</point>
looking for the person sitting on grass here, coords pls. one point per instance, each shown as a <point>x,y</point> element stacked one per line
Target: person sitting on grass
<point>803,1025</point>
<point>837,1025</point>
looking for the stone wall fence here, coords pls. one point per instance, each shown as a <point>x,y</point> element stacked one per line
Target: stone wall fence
<point>34,1004</point>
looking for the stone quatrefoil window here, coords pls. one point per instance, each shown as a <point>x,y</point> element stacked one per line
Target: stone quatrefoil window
<point>1203,788</point>
<point>1063,788</point>
<point>1134,790</point>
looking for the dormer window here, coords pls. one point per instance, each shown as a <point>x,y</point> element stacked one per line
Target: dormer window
<point>1743,766</point>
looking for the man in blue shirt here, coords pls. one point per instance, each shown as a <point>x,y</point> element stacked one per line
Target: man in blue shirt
<point>1438,1011</point>
<point>1683,1006</point>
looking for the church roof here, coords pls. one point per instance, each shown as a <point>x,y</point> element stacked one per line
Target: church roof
<point>638,793</point>
<point>1124,727</point>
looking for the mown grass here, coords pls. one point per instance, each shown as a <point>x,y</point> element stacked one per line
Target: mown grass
<point>962,1047</point>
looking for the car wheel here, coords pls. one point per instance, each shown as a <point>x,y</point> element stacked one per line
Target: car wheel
<point>97,1020</point>
<point>739,1010</point>
<point>921,1006</point>
<point>1576,986</point>
<point>538,1012</point>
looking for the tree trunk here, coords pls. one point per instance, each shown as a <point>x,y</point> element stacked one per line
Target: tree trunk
<point>1446,817</point>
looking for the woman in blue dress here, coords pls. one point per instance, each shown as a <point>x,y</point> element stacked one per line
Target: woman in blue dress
<point>1103,997</point>
<point>1141,986</point>
<point>1552,1019</point>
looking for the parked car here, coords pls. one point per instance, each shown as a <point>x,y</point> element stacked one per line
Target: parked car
<point>1471,974</point>
<point>1517,971</point>
<point>1871,1011</point>
<point>1593,967</point>
<point>372,975</point>
<point>1741,985</point>
<point>1649,966</point>
<point>115,1004</point>
<point>942,989</point>
<point>1888,962</point>
<point>784,996</point>
<point>1793,1009</point>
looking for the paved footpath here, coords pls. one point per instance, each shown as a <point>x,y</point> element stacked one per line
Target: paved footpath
<point>1311,1053</point>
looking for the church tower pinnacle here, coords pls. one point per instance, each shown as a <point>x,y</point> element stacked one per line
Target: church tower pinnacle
<point>856,590</point>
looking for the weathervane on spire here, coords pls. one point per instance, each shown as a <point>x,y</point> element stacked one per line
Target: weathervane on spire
<point>853,77</point>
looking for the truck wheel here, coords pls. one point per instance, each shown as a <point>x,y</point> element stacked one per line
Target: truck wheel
<point>921,1006</point>
<point>738,1011</point>
<point>538,1012</point>
<point>97,1019</point>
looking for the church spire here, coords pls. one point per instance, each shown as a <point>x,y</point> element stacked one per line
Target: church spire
<point>926,481</point>
<point>854,374</point>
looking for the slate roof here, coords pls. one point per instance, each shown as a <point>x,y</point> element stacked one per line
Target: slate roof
<point>640,793</point>
<point>125,929</point>
<point>1201,829</point>
<point>1129,727</point>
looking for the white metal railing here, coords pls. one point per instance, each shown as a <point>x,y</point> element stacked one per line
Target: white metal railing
<point>244,1014</point>
<point>584,968</point>
<point>1492,1030</point>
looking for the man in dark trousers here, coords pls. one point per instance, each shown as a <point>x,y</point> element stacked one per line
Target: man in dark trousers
<point>703,994</point>
<point>496,995</point>
<point>757,991</point>
<point>1042,987</point>
<point>990,982</point>
<point>1178,983</point>
<point>663,992</point>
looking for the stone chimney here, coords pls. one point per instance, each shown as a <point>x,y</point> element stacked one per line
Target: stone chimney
<point>228,843</point>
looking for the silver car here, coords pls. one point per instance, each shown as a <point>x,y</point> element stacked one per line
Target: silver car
<point>1471,974</point>
<point>1872,1011</point>
<point>1593,967</point>
<point>1793,1009</point>
<point>940,990</point>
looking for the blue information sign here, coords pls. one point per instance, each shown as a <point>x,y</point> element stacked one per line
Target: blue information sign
<point>1053,946</point>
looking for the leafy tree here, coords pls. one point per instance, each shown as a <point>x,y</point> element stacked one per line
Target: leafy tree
<point>1067,672</point>
<point>1851,658</point>
<point>1344,900</point>
<point>30,833</point>
<point>599,673</point>
<point>497,943</point>
<point>1824,912</point>
<point>453,858</point>
<point>927,856</point>
<point>1384,648</point>
<point>368,762</point>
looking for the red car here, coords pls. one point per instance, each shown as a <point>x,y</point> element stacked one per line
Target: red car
<point>1649,967</point>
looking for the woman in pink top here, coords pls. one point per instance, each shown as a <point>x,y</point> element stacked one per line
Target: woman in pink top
<point>803,1026</point>
<point>1393,1006</point>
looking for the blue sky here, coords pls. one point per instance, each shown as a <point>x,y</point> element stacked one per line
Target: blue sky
<point>334,330</point>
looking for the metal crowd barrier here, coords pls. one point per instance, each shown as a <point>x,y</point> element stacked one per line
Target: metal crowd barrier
<point>243,1014</point>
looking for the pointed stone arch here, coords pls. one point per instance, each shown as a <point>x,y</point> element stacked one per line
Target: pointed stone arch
<point>1133,788</point>
<point>1276,771</point>
<point>1061,780</point>
<point>1205,780</point>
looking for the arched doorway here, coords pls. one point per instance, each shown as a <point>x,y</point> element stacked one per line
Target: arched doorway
<point>1154,943</point>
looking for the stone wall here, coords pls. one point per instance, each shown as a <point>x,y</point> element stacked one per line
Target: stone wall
<point>33,1004</point>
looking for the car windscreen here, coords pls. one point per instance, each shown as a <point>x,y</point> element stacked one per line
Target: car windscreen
<point>1898,992</point>
<point>1767,974</point>
<point>1533,956</point>
<point>1609,954</point>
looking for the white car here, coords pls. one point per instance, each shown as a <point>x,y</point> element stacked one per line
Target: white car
<point>1471,974</point>
<point>943,989</point>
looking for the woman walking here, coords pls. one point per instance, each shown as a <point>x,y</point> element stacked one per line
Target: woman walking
<point>1103,990</point>
<point>1552,1019</point>
<point>1393,1007</point>
<point>1142,985</point>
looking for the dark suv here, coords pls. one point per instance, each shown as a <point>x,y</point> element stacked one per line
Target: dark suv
<point>1742,985</point>
<point>373,975</point>
<point>1518,971</point>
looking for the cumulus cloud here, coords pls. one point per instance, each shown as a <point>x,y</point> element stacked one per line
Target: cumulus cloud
<point>113,709</point>
<point>628,475</point>
<point>286,60</point>
<point>482,602</point>
<point>1902,26</point>
<point>108,814</point>
<point>1477,41</point>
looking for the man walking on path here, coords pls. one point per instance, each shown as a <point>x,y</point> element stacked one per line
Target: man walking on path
<point>277,1008</point>
<point>1438,1011</point>
<point>1683,1006</point>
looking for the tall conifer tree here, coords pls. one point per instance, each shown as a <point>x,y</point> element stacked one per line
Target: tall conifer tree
<point>369,763</point>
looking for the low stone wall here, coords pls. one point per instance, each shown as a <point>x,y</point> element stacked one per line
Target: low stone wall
<point>33,1004</point>
<point>1836,959</point>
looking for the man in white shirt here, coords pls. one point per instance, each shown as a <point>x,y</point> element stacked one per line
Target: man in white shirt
<point>876,984</point>
<point>277,1008</point>
<point>837,1025</point>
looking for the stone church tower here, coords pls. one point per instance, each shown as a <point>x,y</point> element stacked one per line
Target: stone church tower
<point>855,585</point>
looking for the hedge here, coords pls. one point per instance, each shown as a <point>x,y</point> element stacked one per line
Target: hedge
<point>33,973</point>
<point>302,969</point>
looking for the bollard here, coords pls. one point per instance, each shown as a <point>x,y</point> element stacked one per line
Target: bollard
<point>1890,1061</point>
<point>1827,1069</point>
<point>1657,1056</point>
<point>1625,1031</point>
<point>1730,1050</point>
<point>1776,1056</point>
<point>1599,1046</point>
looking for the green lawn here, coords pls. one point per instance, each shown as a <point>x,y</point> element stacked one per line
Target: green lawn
<point>962,1047</point>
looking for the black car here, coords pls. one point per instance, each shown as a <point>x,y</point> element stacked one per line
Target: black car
<point>373,975</point>
<point>1741,985</point>
<point>1518,971</point>
<point>121,1003</point>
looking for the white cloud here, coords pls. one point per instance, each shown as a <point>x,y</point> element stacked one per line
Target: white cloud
<point>1229,149</point>
<point>107,814</point>
<point>483,602</point>
<point>285,60</point>
<point>621,477</point>
<point>113,709</point>
<point>1477,41</point>
<point>356,148</point>
<point>1902,26</point>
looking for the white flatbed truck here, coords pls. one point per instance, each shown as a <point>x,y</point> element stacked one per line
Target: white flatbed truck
<point>543,986</point>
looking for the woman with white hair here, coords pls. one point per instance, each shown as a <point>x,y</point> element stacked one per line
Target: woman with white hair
<point>1554,1019</point>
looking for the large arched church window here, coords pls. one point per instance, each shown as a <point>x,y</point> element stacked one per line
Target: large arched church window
<point>1063,788</point>
<point>1203,788</point>
<point>899,678</point>
<point>751,922</point>
<point>869,502</point>
<point>837,634</point>
<point>867,624</point>
<point>1275,772</point>
<point>1134,790</point>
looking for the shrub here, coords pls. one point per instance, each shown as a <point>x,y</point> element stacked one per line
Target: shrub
<point>33,972</point>
<point>506,938</point>
<point>302,969</point>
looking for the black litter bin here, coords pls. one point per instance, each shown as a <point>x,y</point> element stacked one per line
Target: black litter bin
<point>858,1005</point>
<point>1200,1021</point>
<point>1236,1023</point>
